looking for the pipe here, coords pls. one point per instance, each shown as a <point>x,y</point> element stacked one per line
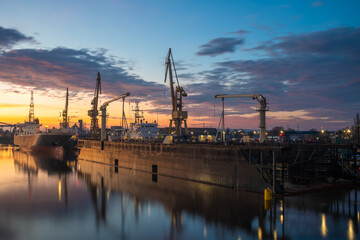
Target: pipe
<point>103,124</point>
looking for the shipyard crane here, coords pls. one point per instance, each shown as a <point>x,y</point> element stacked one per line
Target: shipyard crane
<point>65,120</point>
<point>178,115</point>
<point>103,113</point>
<point>262,109</point>
<point>93,113</point>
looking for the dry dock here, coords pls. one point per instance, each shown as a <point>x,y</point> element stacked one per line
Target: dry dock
<point>241,167</point>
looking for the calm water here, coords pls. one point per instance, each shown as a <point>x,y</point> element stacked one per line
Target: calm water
<point>42,197</point>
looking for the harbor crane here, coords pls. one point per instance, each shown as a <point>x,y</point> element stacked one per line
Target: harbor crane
<point>93,113</point>
<point>65,119</point>
<point>178,115</point>
<point>262,109</point>
<point>103,114</point>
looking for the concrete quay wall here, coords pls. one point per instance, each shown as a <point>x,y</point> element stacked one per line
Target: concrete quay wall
<point>217,165</point>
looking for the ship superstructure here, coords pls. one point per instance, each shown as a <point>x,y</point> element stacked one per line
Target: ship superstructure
<point>142,129</point>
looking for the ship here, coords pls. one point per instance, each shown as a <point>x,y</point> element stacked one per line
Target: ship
<point>142,129</point>
<point>29,136</point>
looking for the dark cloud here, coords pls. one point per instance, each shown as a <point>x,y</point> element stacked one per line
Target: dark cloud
<point>337,41</point>
<point>219,46</point>
<point>240,32</point>
<point>63,67</point>
<point>9,37</point>
<point>315,75</point>
<point>51,70</point>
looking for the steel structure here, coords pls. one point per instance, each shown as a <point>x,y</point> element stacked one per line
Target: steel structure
<point>103,113</point>
<point>177,115</point>
<point>262,109</point>
<point>93,113</point>
<point>31,112</point>
<point>65,120</point>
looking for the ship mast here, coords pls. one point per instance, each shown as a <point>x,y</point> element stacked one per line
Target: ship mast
<point>31,112</point>
<point>137,112</point>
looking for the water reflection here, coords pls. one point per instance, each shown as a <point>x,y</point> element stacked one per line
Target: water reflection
<point>324,229</point>
<point>45,197</point>
<point>215,205</point>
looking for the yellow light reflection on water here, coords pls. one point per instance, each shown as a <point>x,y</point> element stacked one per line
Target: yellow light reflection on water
<point>281,206</point>
<point>282,219</point>
<point>351,235</point>
<point>324,229</point>
<point>259,233</point>
<point>59,189</point>
<point>205,232</point>
<point>275,234</point>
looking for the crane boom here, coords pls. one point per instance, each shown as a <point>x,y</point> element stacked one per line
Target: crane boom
<point>262,109</point>
<point>103,113</point>
<point>115,99</point>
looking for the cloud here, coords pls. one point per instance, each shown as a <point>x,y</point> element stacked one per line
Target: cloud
<point>61,67</point>
<point>337,41</point>
<point>317,4</point>
<point>9,37</point>
<point>240,32</point>
<point>219,46</point>
<point>312,77</point>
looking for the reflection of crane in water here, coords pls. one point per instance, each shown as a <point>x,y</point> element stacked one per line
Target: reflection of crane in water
<point>100,211</point>
<point>176,225</point>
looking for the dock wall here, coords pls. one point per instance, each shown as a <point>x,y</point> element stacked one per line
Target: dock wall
<point>218,165</point>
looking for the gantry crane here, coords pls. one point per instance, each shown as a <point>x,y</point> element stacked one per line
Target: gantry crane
<point>103,113</point>
<point>178,115</point>
<point>93,113</point>
<point>262,109</point>
<point>65,120</point>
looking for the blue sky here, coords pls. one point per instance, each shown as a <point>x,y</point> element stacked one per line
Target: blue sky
<point>302,55</point>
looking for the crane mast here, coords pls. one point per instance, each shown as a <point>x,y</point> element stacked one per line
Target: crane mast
<point>93,113</point>
<point>262,109</point>
<point>65,120</point>
<point>178,115</point>
<point>103,113</point>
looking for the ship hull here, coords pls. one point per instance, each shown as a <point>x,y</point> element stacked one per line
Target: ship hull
<point>41,140</point>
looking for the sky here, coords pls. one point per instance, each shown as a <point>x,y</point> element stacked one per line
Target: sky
<point>302,56</point>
